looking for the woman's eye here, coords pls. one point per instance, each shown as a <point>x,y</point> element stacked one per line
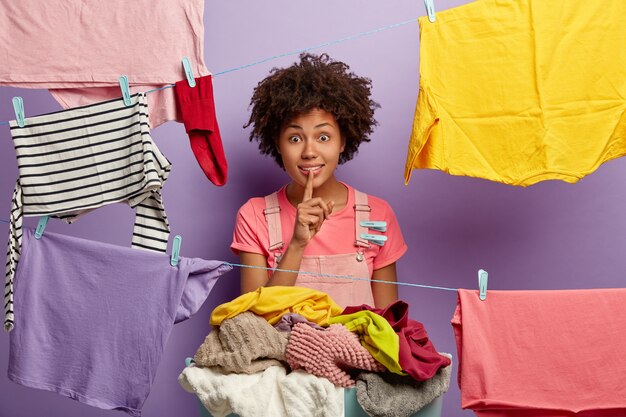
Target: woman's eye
<point>324,138</point>
<point>294,139</point>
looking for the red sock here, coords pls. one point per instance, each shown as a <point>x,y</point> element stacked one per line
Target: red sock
<point>197,109</point>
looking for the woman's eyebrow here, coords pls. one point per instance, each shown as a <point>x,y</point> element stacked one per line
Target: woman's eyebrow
<point>295,126</point>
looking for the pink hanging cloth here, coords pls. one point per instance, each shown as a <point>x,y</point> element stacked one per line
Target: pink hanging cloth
<point>542,353</point>
<point>78,49</point>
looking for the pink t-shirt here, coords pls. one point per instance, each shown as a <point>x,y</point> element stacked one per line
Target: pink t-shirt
<point>335,237</point>
<point>542,353</point>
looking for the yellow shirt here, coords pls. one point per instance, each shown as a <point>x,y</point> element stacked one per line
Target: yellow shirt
<point>521,91</point>
<point>376,335</point>
<point>272,303</point>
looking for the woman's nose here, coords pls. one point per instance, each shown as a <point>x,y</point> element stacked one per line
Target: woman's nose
<point>309,151</point>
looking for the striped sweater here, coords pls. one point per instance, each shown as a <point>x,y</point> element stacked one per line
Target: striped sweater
<point>74,161</point>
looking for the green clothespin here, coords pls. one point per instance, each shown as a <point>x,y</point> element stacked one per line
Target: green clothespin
<point>175,250</point>
<point>483,277</point>
<point>188,72</point>
<point>430,10</point>
<point>125,87</point>
<point>41,226</point>
<point>18,106</point>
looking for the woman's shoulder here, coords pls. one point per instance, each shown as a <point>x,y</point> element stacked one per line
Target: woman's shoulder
<point>255,205</point>
<point>377,204</point>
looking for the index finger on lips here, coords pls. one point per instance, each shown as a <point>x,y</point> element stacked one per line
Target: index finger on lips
<point>308,188</point>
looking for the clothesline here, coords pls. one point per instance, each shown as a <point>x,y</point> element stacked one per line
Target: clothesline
<point>400,283</point>
<point>296,52</point>
<point>408,284</point>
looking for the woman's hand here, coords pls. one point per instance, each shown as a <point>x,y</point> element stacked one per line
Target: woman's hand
<point>310,215</point>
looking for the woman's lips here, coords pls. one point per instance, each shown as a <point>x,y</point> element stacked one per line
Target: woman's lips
<point>316,169</point>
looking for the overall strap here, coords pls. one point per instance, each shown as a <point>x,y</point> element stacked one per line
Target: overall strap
<point>272,216</point>
<point>361,213</point>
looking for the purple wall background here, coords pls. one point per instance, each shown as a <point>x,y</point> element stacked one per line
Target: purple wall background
<point>552,235</point>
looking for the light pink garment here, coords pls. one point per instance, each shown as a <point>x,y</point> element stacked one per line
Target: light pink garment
<point>329,353</point>
<point>79,48</point>
<point>542,353</point>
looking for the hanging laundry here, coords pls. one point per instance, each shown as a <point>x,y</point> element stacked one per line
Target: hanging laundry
<point>77,160</point>
<point>521,91</point>
<point>330,353</point>
<point>272,302</point>
<point>271,393</point>
<point>246,343</point>
<point>542,353</point>
<point>79,49</point>
<point>197,109</point>
<point>391,395</point>
<point>417,355</point>
<point>93,318</point>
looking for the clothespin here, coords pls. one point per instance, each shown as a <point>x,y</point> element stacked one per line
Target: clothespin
<point>41,225</point>
<point>483,277</point>
<point>375,239</point>
<point>430,9</point>
<point>189,72</point>
<point>18,106</point>
<point>379,226</point>
<point>125,87</point>
<point>175,250</point>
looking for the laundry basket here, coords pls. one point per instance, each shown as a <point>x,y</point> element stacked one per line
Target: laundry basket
<point>351,405</point>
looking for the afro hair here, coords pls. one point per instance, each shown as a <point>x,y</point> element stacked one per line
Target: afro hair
<point>314,82</point>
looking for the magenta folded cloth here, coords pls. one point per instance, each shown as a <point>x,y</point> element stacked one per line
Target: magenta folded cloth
<point>417,355</point>
<point>329,353</point>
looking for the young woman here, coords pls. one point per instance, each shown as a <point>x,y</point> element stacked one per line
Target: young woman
<point>311,117</point>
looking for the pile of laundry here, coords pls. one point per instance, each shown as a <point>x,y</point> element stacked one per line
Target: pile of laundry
<point>291,351</point>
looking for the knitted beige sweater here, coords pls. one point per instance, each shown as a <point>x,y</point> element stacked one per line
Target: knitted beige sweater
<point>246,343</point>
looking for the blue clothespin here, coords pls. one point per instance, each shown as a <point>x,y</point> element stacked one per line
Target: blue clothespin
<point>430,9</point>
<point>175,250</point>
<point>375,239</point>
<point>41,226</point>
<point>188,72</point>
<point>125,87</point>
<point>18,106</point>
<point>483,277</point>
<point>380,226</point>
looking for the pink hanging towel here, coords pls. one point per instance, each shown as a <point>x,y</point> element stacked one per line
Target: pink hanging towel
<point>78,49</point>
<point>542,353</point>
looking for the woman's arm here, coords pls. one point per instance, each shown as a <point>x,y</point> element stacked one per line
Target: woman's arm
<point>253,278</point>
<point>384,294</point>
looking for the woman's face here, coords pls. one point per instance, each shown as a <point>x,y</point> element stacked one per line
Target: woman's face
<point>311,142</point>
